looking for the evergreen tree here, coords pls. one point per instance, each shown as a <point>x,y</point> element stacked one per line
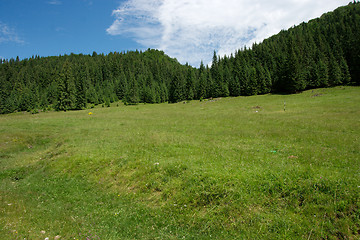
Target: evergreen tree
<point>10,103</point>
<point>234,86</point>
<point>219,87</point>
<point>190,84</point>
<point>177,91</point>
<point>121,85</point>
<point>132,92</point>
<point>345,74</point>
<point>322,74</point>
<point>335,75</point>
<point>264,79</point>
<point>29,101</point>
<point>202,86</point>
<point>66,89</point>
<point>292,79</point>
<point>80,97</point>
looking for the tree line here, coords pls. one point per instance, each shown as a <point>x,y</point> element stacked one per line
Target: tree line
<point>321,53</point>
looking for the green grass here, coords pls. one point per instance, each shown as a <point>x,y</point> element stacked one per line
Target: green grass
<point>234,168</point>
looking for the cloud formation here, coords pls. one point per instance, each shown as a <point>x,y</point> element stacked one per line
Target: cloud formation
<point>7,34</point>
<point>191,30</point>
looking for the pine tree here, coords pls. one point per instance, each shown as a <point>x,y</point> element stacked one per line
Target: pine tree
<point>322,74</point>
<point>66,89</point>
<point>92,96</point>
<point>9,104</point>
<point>264,79</point>
<point>201,92</point>
<point>190,84</point>
<point>177,91</point>
<point>80,99</point>
<point>292,79</point>
<point>164,93</point>
<point>29,100</point>
<point>210,84</point>
<point>335,75</point>
<point>345,74</point>
<point>132,92</point>
<point>121,85</point>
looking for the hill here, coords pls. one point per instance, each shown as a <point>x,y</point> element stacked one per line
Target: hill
<point>321,53</point>
<point>73,82</point>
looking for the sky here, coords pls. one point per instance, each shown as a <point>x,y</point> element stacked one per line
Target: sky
<point>189,30</point>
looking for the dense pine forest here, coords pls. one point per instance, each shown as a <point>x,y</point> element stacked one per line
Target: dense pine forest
<point>324,52</point>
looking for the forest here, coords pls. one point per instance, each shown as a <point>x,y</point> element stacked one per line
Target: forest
<point>323,52</point>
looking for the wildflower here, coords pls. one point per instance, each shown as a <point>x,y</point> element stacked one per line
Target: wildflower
<point>156,163</point>
<point>90,113</point>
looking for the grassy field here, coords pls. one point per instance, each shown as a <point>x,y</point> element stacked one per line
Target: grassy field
<point>231,168</point>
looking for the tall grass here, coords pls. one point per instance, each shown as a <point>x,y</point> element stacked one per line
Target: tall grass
<point>228,168</point>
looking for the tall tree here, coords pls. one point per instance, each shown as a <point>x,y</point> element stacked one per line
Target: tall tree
<point>132,92</point>
<point>66,89</point>
<point>190,84</point>
<point>177,91</point>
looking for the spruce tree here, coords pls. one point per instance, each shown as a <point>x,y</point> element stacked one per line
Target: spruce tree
<point>132,92</point>
<point>292,79</point>
<point>323,74</point>
<point>66,89</point>
<point>121,85</point>
<point>80,97</point>
<point>177,91</point>
<point>190,84</point>
<point>345,74</point>
<point>335,75</point>
<point>202,86</point>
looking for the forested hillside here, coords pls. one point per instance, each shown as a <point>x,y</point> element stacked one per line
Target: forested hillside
<point>323,52</point>
<point>73,81</point>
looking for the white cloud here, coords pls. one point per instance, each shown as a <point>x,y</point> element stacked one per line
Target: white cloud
<point>7,34</point>
<point>191,30</point>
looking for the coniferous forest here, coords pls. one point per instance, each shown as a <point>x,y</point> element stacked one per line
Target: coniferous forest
<point>324,52</point>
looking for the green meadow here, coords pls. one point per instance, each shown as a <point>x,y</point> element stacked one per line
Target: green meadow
<point>230,168</point>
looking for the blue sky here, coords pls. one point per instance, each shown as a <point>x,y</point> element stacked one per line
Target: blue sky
<point>54,27</point>
<point>189,30</point>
